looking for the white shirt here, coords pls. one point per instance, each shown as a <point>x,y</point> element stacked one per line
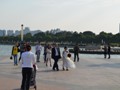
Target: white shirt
<point>38,47</point>
<point>65,53</point>
<point>56,52</point>
<point>28,59</point>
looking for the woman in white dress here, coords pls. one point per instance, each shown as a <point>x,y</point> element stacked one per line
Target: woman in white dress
<point>64,56</point>
<point>67,62</point>
<point>48,56</point>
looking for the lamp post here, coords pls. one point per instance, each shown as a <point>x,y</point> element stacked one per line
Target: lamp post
<point>21,43</point>
<point>21,32</point>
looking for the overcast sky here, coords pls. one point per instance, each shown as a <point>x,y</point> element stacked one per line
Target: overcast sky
<point>70,15</point>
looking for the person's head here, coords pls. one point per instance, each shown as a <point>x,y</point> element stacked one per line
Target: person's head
<point>69,55</point>
<point>28,47</point>
<point>65,48</point>
<point>16,44</point>
<point>49,46</point>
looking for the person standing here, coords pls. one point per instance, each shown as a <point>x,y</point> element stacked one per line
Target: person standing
<point>45,53</point>
<point>14,53</point>
<point>64,56</point>
<point>105,51</point>
<point>38,49</point>
<point>48,56</point>
<point>22,48</point>
<point>76,52</point>
<point>27,60</point>
<point>56,56</point>
<point>109,50</point>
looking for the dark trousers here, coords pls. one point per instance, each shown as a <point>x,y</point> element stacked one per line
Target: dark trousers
<point>38,55</point>
<point>15,59</point>
<point>105,54</point>
<point>55,64</point>
<point>26,77</point>
<point>20,55</point>
<point>76,55</point>
<point>108,55</point>
<point>45,56</point>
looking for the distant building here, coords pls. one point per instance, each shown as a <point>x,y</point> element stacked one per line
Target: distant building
<point>10,33</point>
<point>26,30</point>
<point>54,31</point>
<point>17,32</point>
<point>2,32</point>
<point>35,32</point>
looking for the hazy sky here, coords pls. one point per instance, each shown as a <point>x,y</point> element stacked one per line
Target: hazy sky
<point>70,15</point>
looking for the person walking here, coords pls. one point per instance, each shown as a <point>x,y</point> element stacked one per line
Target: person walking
<point>22,48</point>
<point>76,52</point>
<point>48,56</point>
<point>27,60</point>
<point>45,53</point>
<point>64,56</point>
<point>14,53</point>
<point>56,56</point>
<point>38,49</point>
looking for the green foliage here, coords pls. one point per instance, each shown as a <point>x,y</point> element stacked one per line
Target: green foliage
<point>86,37</point>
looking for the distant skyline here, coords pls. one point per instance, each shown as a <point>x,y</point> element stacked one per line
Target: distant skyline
<point>69,15</point>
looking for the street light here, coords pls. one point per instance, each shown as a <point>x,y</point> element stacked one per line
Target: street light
<point>21,32</point>
<point>21,43</point>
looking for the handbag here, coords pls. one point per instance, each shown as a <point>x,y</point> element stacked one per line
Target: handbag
<point>11,57</point>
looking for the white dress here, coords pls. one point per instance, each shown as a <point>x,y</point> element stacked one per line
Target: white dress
<point>67,62</point>
<point>48,56</point>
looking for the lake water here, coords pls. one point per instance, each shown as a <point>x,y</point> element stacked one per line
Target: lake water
<point>5,50</point>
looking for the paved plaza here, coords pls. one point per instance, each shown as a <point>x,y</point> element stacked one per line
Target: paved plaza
<point>91,73</point>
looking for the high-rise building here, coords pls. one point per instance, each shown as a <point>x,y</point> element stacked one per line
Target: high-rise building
<point>35,32</point>
<point>2,32</point>
<point>10,33</point>
<point>17,32</point>
<point>26,30</point>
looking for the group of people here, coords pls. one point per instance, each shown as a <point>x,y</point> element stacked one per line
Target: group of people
<point>107,50</point>
<point>53,52</point>
<point>29,59</point>
<point>18,48</point>
<point>50,52</point>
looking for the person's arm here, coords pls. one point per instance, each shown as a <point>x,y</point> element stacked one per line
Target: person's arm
<point>40,48</point>
<point>34,59</point>
<point>34,63</point>
<point>59,53</point>
<point>52,53</point>
<point>12,50</point>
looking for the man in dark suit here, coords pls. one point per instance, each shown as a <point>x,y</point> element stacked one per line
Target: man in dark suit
<point>56,56</point>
